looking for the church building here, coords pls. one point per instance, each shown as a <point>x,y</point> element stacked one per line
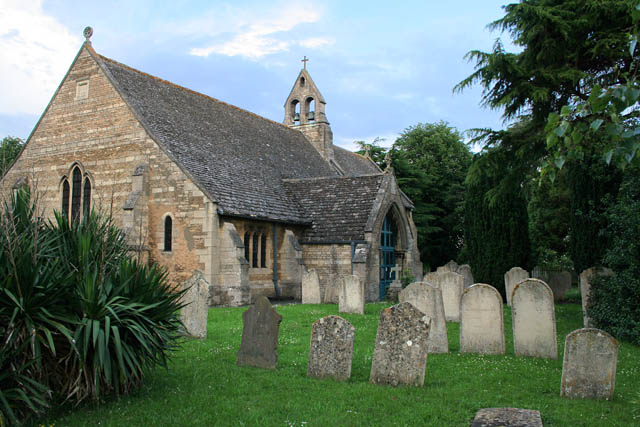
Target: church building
<point>199,184</point>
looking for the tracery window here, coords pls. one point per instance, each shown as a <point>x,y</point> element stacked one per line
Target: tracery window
<point>76,193</point>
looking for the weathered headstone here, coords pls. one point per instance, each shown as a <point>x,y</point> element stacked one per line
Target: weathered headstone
<point>331,349</point>
<point>259,345</point>
<point>450,266</point>
<point>452,285</point>
<point>481,320</point>
<point>310,288</point>
<point>586,278</point>
<point>512,278</point>
<point>428,300</point>
<point>589,366</point>
<point>194,314</point>
<point>332,289</point>
<point>400,354</point>
<point>507,417</point>
<point>560,283</point>
<point>534,320</point>
<point>465,271</point>
<point>431,277</point>
<point>351,298</point>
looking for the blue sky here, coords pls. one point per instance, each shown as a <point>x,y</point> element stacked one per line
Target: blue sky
<point>381,66</point>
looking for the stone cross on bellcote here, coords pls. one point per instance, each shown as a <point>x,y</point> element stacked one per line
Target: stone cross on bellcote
<point>304,61</point>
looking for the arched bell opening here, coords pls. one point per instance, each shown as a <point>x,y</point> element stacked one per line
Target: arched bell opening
<point>310,108</point>
<point>295,112</point>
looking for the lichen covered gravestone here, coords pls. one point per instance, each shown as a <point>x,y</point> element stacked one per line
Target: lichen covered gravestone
<point>586,279</point>
<point>507,417</point>
<point>194,314</point>
<point>428,299</point>
<point>260,335</point>
<point>310,288</point>
<point>512,278</point>
<point>351,297</point>
<point>331,349</point>
<point>534,320</point>
<point>481,320</point>
<point>400,354</point>
<point>589,366</point>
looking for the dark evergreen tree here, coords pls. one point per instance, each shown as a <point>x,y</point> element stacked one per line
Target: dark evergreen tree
<point>495,223</point>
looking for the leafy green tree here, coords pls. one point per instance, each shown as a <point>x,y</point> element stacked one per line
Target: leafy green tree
<point>613,300</point>
<point>495,222</point>
<point>376,152</point>
<point>9,149</point>
<point>549,212</point>
<point>431,162</point>
<point>568,48</point>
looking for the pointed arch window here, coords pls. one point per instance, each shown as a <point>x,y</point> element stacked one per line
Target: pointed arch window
<point>254,255</point>
<point>77,190</point>
<point>168,233</point>
<point>263,250</point>
<point>76,193</point>
<point>86,197</point>
<point>66,190</point>
<point>247,241</point>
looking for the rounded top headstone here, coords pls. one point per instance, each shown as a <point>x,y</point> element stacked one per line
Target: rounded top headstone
<point>88,32</point>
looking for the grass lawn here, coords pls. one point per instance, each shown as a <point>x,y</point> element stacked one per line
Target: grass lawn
<point>203,385</point>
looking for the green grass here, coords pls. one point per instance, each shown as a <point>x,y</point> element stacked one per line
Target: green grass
<point>203,385</point>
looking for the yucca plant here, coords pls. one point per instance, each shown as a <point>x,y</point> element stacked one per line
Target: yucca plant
<point>34,319</point>
<point>78,317</point>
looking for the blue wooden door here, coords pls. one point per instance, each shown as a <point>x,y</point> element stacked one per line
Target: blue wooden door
<point>387,256</point>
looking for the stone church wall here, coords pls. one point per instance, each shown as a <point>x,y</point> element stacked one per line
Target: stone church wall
<point>329,261</point>
<point>104,137</point>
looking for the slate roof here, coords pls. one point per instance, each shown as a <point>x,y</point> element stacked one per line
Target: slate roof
<point>251,166</point>
<point>238,157</point>
<point>338,206</point>
<point>354,164</point>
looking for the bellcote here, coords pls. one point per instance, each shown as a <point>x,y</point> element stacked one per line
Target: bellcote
<point>304,111</point>
<point>305,103</point>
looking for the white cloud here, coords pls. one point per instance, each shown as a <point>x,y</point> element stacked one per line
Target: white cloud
<point>316,42</point>
<point>35,52</point>
<point>260,37</point>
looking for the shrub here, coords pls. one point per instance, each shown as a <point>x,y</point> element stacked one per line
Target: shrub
<point>614,300</point>
<point>82,318</point>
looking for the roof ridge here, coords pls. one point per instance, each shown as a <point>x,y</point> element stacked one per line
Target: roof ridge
<point>318,178</point>
<point>167,82</point>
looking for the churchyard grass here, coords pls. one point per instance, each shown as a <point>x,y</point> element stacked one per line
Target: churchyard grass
<point>203,385</point>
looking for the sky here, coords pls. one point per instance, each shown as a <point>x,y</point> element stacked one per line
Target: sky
<point>382,66</point>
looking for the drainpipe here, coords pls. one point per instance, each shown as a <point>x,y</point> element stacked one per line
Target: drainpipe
<point>275,261</point>
<point>353,252</point>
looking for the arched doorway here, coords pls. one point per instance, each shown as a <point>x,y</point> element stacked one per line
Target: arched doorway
<point>387,254</point>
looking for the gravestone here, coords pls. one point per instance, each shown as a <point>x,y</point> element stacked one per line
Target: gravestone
<point>331,349</point>
<point>194,314</point>
<point>452,285</point>
<point>586,278</point>
<point>351,298</point>
<point>534,320</point>
<point>465,271</point>
<point>332,289</point>
<point>260,335</point>
<point>512,278</point>
<point>507,417</point>
<point>310,288</point>
<point>589,366</point>
<point>428,300</point>
<point>450,266</point>
<point>481,320</point>
<point>560,283</point>
<point>430,277</point>
<point>400,354</point>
